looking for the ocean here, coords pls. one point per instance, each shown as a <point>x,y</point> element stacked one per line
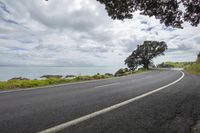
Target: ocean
<point>36,72</point>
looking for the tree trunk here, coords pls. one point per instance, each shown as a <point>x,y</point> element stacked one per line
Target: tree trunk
<point>146,66</point>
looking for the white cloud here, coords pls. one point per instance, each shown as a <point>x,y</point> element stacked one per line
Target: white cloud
<point>79,33</point>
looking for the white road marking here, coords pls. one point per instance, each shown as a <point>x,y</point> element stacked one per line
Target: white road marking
<point>107,85</point>
<point>89,116</point>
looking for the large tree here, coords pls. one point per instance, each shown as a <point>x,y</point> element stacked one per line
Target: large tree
<point>144,54</point>
<point>170,12</point>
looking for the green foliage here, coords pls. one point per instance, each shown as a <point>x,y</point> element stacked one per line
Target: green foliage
<point>122,72</point>
<point>167,11</point>
<point>194,68</point>
<point>96,76</point>
<point>164,65</point>
<point>109,74</point>
<point>13,84</point>
<point>83,78</point>
<point>144,54</point>
<point>126,71</point>
<point>51,76</point>
<point>19,78</point>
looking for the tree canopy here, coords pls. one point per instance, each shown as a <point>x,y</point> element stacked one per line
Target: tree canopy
<point>170,12</point>
<point>144,54</point>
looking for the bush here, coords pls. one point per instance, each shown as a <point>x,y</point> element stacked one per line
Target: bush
<point>18,78</point>
<point>109,74</point>
<point>70,76</point>
<point>98,76</point>
<point>166,65</point>
<point>84,78</point>
<point>122,72</point>
<point>51,76</point>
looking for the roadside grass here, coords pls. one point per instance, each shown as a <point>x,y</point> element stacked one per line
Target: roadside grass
<point>193,68</point>
<point>21,84</point>
<point>16,84</point>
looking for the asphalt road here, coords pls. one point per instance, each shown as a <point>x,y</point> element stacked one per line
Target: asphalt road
<point>175,109</point>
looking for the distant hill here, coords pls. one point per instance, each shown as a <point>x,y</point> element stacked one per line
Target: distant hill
<point>192,67</point>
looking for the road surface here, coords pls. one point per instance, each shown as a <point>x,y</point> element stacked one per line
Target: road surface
<point>174,108</point>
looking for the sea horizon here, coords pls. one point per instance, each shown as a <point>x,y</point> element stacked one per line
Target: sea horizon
<point>35,72</point>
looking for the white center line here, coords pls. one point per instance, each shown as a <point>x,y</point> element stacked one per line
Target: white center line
<point>107,85</point>
<point>105,110</point>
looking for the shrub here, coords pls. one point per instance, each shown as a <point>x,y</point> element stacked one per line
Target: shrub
<point>84,78</point>
<point>70,76</point>
<point>109,74</point>
<point>51,76</point>
<point>18,78</point>
<point>165,65</point>
<point>122,72</point>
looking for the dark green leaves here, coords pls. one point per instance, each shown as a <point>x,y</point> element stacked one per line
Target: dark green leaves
<point>170,12</point>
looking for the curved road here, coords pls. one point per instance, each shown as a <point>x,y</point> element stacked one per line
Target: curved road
<point>173,109</point>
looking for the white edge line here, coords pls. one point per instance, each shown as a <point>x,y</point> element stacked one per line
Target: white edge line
<point>89,116</point>
<point>107,85</point>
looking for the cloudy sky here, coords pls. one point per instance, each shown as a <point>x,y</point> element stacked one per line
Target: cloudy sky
<point>79,33</point>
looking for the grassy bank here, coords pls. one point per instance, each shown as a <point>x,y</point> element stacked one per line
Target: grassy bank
<point>16,84</point>
<point>194,68</point>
